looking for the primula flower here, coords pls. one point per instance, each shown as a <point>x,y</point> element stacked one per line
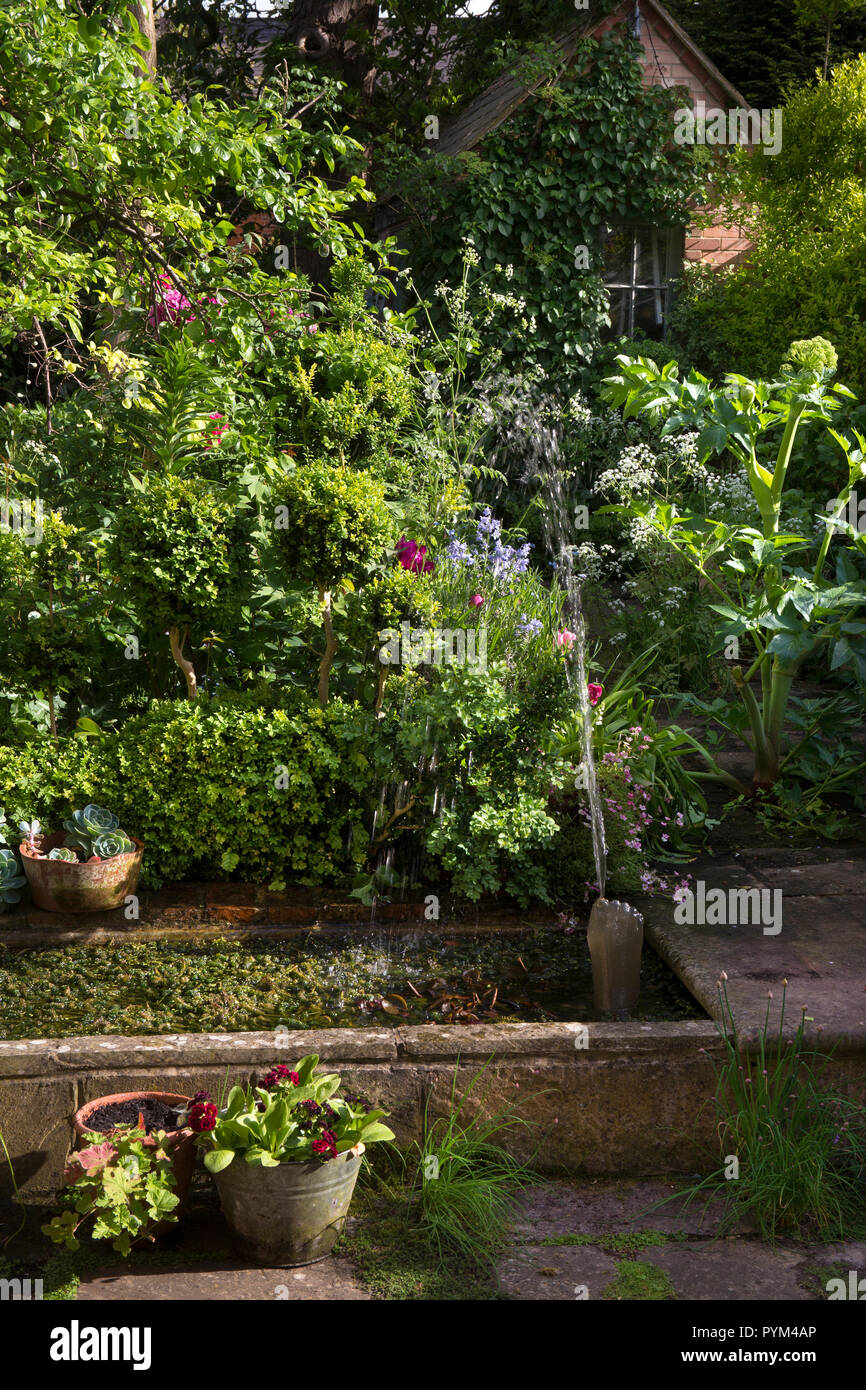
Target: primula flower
<point>278,1074</point>
<point>321,1147</point>
<point>202,1117</point>
<point>411,556</point>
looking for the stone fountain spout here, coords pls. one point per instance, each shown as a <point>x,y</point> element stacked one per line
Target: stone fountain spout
<point>615,937</point>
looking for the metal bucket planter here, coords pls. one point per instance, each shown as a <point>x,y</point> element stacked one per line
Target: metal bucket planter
<point>95,886</point>
<point>179,1144</point>
<point>290,1215</point>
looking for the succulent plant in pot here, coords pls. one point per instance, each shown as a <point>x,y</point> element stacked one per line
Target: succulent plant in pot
<point>93,868</point>
<point>285,1156</point>
<point>11,877</point>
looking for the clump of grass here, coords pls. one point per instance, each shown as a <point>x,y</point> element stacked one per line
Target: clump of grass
<point>800,1149</point>
<point>464,1182</point>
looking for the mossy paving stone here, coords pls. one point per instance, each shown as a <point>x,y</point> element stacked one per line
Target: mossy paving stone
<point>556,1208</point>
<point>731,1270</point>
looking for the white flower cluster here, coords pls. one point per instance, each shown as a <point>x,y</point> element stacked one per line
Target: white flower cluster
<point>592,562</point>
<point>729,497</point>
<point>634,475</point>
<point>579,411</point>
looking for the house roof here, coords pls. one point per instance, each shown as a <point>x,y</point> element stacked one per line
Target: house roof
<point>502,98</point>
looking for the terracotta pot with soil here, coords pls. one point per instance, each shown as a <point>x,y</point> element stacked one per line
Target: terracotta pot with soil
<point>156,1109</point>
<point>97,885</point>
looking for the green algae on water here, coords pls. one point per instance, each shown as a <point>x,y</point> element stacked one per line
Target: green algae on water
<point>315,980</point>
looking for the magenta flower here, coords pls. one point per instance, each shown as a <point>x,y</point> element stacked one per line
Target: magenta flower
<point>411,556</point>
<point>595,693</point>
<point>476,601</point>
<point>169,303</point>
<point>216,430</point>
<point>277,1074</point>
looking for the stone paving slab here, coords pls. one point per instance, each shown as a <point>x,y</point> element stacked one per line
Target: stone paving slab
<point>730,1270</point>
<point>541,1273</point>
<point>820,949</point>
<point>559,1208</point>
<point>699,1267</point>
<point>327,1281</point>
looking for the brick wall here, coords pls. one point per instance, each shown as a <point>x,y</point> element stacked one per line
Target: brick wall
<point>669,63</point>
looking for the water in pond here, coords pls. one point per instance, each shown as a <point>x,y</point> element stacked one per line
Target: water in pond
<point>324,979</point>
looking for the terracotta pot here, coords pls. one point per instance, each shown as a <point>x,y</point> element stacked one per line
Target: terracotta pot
<point>180,1145</point>
<point>96,886</point>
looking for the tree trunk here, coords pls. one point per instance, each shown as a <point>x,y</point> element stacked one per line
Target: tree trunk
<point>143,12</point>
<point>176,642</point>
<point>334,33</point>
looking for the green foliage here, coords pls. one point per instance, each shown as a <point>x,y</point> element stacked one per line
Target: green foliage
<point>345,390</point>
<point>465,1182</point>
<point>800,1147</point>
<point>106,172</point>
<point>807,272</point>
<point>47,640</point>
<point>331,524</point>
<point>758,47</point>
<point>591,148</point>
<point>299,782</point>
<point>122,1184</point>
<point>787,612</point>
<point>178,553</point>
<point>281,1121</point>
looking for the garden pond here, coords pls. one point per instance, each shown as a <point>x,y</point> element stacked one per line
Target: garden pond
<point>350,978</point>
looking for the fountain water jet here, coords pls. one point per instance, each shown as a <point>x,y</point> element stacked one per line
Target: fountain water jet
<point>615,932</point>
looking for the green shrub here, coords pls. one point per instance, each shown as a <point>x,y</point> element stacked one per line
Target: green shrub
<point>213,789</point>
<point>807,273</point>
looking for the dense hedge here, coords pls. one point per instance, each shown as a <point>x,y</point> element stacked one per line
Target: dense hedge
<point>200,782</point>
<point>262,794</point>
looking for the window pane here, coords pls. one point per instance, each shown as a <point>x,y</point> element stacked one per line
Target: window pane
<point>618,251</point>
<point>649,311</point>
<point>651,252</point>
<point>619,307</point>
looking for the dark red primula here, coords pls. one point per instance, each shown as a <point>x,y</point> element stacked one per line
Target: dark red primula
<point>202,1117</point>
<point>278,1074</point>
<point>321,1147</point>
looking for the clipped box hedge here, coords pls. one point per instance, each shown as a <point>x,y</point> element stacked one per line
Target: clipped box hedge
<point>202,783</point>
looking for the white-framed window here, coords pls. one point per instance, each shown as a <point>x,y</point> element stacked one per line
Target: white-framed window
<point>641,263</point>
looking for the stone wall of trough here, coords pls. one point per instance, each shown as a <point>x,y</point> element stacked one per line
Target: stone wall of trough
<point>611,1099</point>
